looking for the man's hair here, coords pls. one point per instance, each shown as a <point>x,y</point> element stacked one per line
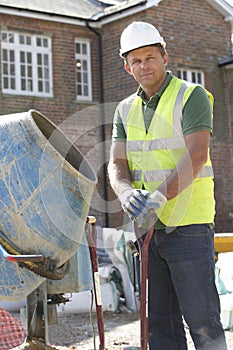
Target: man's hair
<point>162,49</point>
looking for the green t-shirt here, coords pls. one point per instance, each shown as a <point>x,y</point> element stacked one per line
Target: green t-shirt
<point>197,115</point>
<point>197,112</point>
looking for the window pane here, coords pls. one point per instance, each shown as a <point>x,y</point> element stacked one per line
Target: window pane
<point>85,90</point>
<point>5,68</point>
<point>84,49</point>
<point>12,56</point>
<point>39,59</point>
<point>39,73</point>
<point>38,41</point>
<point>12,69</point>
<point>85,78</point>
<point>11,38</point>
<point>45,42</point>
<point>77,48</point>
<point>12,83</point>
<point>4,37</point>
<point>29,57</point>
<point>23,84</point>
<point>5,55</point>
<point>21,39</point>
<point>22,57</point>
<point>85,65</point>
<point>40,86</point>
<point>199,78</point>
<point>22,71</point>
<point>47,86</point>
<point>29,71</point>
<point>79,77</point>
<point>46,60</point>
<point>5,83</point>
<point>79,90</point>
<point>46,73</point>
<point>193,77</point>
<point>30,85</point>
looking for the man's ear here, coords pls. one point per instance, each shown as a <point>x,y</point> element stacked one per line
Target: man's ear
<point>165,59</point>
<point>127,68</point>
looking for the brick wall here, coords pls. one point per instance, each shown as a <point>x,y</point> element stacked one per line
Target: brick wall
<point>222,155</point>
<point>196,37</point>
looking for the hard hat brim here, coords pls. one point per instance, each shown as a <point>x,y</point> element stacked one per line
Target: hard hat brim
<point>123,53</point>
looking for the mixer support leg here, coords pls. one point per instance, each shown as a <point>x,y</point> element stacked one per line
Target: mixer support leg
<point>37,315</point>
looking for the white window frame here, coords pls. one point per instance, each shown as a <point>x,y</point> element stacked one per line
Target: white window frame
<point>192,76</point>
<point>24,78</point>
<point>83,70</point>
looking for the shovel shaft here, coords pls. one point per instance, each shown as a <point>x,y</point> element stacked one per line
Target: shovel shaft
<point>143,259</point>
<point>91,235</point>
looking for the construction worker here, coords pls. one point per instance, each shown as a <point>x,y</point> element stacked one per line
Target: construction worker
<point>160,158</point>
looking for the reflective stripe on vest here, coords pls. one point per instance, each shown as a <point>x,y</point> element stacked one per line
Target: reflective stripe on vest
<point>162,175</point>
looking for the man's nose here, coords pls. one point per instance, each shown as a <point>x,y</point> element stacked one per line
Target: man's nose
<point>144,63</point>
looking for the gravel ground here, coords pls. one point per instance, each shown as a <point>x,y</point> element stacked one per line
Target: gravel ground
<point>122,332</point>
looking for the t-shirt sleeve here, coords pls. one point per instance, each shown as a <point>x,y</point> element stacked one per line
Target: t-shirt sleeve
<point>197,112</point>
<point>118,132</point>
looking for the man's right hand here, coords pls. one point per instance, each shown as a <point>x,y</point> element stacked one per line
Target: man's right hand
<point>156,200</point>
<point>134,202</point>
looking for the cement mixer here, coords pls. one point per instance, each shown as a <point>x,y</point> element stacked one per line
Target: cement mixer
<point>46,188</point>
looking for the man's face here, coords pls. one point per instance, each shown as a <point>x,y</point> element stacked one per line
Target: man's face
<point>148,67</point>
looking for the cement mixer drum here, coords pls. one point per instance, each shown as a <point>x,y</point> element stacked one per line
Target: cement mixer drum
<point>46,189</point>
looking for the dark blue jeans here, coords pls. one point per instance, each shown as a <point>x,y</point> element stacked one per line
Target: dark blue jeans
<point>182,286</point>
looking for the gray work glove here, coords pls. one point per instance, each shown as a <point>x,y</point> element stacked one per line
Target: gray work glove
<point>156,200</point>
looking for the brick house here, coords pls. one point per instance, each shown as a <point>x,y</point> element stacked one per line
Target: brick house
<point>61,58</point>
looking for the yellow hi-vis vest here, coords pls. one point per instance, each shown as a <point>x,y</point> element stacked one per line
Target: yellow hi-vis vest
<point>153,155</point>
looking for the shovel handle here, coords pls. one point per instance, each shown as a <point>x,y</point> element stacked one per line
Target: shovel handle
<point>143,259</point>
<point>91,234</point>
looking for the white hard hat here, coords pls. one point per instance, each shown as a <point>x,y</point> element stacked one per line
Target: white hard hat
<point>139,34</point>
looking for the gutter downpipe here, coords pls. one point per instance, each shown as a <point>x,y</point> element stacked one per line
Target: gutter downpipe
<point>103,138</point>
